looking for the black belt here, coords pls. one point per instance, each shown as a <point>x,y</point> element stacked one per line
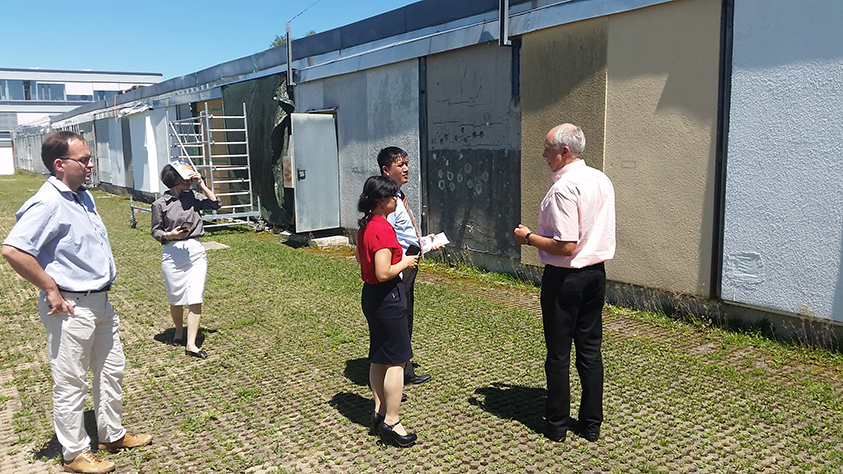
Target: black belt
<point>86,293</point>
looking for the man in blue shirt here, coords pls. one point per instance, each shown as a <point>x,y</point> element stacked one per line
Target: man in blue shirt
<point>393,163</point>
<point>60,245</point>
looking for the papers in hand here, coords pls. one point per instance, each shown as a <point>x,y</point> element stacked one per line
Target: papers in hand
<point>430,243</point>
<point>184,167</point>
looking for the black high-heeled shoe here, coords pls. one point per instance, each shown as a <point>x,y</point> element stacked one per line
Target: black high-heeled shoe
<point>389,436</point>
<point>374,422</point>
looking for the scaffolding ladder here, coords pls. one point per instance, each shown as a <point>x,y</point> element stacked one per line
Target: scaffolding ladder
<point>218,148</point>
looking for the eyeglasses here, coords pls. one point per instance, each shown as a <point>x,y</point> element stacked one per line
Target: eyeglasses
<point>83,161</point>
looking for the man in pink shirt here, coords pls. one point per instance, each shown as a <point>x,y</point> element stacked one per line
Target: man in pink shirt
<point>575,235</point>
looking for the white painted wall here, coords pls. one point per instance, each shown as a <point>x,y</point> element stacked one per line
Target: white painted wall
<point>784,189</point>
<point>148,155</point>
<point>376,108</point>
<point>7,161</point>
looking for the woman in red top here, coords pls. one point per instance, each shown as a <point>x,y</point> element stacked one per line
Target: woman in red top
<point>384,303</point>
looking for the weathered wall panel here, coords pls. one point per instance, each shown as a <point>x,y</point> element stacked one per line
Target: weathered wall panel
<point>563,79</point>
<point>783,235</point>
<point>473,165</point>
<point>116,152</point>
<point>661,118</point>
<point>376,108</point>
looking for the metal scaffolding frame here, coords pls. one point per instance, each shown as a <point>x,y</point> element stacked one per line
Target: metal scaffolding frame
<point>228,173</point>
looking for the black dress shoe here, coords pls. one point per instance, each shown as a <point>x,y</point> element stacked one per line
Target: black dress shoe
<point>590,434</point>
<point>553,436</point>
<point>389,436</point>
<point>552,433</point>
<point>197,354</point>
<point>417,379</point>
<point>374,421</point>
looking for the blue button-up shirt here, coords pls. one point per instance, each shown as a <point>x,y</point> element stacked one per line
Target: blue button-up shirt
<point>63,231</point>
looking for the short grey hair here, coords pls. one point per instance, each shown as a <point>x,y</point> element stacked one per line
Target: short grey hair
<point>571,136</point>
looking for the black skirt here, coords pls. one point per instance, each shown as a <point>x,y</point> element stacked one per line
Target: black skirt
<point>385,308</point>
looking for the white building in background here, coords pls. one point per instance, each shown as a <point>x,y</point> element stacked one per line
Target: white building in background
<point>27,95</point>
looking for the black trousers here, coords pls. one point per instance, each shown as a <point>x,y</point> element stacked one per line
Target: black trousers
<point>572,310</point>
<point>408,277</point>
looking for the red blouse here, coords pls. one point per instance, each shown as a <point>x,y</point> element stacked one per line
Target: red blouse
<point>378,234</point>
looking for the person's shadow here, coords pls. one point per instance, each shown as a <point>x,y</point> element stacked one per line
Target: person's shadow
<point>166,336</point>
<point>357,370</point>
<point>513,402</point>
<point>354,407</point>
<point>52,448</point>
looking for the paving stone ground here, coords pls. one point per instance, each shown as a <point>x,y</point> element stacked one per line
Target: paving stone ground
<point>285,387</point>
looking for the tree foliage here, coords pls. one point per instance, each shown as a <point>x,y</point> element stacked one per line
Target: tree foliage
<point>282,40</point>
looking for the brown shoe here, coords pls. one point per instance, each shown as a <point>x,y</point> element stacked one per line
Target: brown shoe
<point>127,441</point>
<point>89,463</point>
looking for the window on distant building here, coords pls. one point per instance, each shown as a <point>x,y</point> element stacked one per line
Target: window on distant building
<point>50,91</point>
<point>27,90</point>
<point>104,95</point>
<point>80,98</point>
<point>11,89</point>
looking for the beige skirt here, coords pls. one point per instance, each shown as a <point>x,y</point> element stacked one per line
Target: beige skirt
<point>184,265</point>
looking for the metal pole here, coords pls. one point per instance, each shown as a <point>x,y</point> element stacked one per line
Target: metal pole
<point>290,79</point>
<point>248,160</point>
<point>503,23</point>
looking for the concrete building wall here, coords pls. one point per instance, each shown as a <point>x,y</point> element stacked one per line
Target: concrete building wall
<point>661,118</point>
<point>473,159</point>
<point>376,108</point>
<point>783,236</point>
<point>563,79</point>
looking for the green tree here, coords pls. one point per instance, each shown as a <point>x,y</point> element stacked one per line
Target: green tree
<point>282,40</point>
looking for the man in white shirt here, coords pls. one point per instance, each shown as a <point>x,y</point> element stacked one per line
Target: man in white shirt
<point>575,235</point>
<point>393,163</point>
<point>60,245</point>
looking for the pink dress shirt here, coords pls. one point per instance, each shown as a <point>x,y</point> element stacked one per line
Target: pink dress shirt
<point>579,207</point>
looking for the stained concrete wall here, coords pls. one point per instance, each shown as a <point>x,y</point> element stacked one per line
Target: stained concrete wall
<point>661,118</point>
<point>376,108</point>
<point>473,160</point>
<point>783,237</point>
<point>563,79</point>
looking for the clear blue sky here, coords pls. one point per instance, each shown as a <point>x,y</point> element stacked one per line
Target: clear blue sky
<point>173,37</point>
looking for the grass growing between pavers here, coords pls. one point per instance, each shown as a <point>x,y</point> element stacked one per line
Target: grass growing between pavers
<point>284,388</point>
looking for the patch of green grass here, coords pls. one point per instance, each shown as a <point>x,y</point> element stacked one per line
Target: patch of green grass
<point>199,422</point>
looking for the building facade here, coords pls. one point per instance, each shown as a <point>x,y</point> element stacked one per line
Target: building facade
<point>28,95</point>
<point>723,150</point>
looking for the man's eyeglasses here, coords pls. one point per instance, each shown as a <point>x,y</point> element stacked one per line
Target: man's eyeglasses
<point>83,161</point>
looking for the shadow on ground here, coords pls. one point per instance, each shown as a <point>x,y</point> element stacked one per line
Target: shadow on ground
<point>52,449</point>
<point>357,371</point>
<point>512,402</point>
<point>166,336</point>
<point>354,407</point>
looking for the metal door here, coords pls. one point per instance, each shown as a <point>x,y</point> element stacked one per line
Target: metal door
<point>315,167</point>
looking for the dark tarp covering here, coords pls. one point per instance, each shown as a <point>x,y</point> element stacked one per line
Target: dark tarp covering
<point>268,109</point>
